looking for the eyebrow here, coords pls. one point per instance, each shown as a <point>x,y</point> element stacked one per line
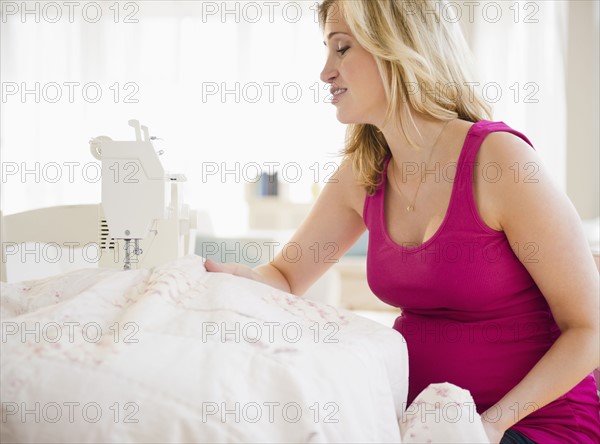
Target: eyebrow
<point>331,34</point>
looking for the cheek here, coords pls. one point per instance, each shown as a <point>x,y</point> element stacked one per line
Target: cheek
<point>372,90</point>
<point>370,78</point>
<point>376,81</point>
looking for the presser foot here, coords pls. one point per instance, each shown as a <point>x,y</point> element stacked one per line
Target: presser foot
<point>128,252</point>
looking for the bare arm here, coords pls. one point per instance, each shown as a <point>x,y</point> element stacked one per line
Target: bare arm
<point>331,228</point>
<point>537,213</point>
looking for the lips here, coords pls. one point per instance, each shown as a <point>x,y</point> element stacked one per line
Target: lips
<point>336,92</point>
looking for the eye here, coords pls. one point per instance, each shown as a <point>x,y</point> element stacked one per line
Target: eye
<point>343,50</point>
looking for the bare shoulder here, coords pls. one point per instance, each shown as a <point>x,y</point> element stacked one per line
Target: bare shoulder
<point>509,174</point>
<point>344,187</point>
<point>504,147</point>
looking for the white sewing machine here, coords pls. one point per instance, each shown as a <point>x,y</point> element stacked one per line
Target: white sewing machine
<point>143,220</point>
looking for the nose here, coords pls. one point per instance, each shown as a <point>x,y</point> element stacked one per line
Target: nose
<point>329,73</point>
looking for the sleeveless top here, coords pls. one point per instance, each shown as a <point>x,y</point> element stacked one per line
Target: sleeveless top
<point>471,313</point>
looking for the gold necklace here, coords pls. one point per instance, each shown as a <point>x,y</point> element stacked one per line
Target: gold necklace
<point>411,204</point>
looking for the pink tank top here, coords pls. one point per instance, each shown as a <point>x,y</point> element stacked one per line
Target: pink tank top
<point>471,313</point>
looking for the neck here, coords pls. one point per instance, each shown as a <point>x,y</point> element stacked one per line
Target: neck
<point>425,138</point>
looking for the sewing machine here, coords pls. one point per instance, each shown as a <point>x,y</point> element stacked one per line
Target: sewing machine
<point>143,220</point>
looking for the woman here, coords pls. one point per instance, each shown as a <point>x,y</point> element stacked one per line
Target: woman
<point>498,289</point>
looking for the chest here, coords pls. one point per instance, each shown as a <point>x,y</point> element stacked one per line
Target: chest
<point>414,212</point>
<point>410,223</point>
<point>462,270</point>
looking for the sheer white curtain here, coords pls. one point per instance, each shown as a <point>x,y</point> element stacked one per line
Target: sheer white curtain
<point>521,53</point>
<point>226,85</point>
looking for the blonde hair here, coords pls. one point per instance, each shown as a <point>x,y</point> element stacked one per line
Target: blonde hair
<point>424,62</point>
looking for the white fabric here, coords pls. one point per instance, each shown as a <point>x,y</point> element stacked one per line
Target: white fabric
<point>176,370</point>
<point>442,413</point>
<point>157,374</point>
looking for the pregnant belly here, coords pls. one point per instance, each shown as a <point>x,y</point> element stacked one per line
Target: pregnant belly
<point>488,358</point>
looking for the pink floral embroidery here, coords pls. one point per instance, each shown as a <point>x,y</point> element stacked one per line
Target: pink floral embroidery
<point>441,391</point>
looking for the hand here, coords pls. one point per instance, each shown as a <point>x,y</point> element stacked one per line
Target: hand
<point>235,269</point>
<point>492,431</point>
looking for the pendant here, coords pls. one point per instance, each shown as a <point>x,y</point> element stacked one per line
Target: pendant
<point>410,208</point>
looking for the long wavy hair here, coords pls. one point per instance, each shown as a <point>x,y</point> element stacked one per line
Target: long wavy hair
<point>424,62</point>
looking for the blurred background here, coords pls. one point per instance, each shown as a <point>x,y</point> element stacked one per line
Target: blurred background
<point>232,89</point>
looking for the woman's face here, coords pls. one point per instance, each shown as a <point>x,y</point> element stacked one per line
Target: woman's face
<point>356,84</point>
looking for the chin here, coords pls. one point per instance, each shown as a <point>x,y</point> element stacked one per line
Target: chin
<point>347,119</point>
<point>343,121</point>
<point>354,118</point>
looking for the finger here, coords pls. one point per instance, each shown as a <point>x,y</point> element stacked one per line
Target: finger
<point>211,265</point>
<point>234,269</point>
